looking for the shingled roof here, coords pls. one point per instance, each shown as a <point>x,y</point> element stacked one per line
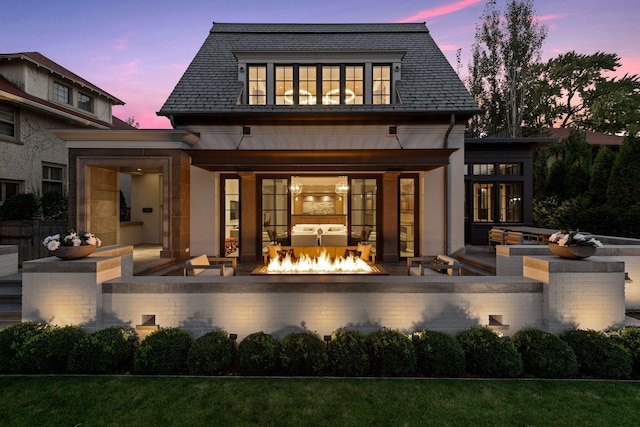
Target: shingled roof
<point>210,85</point>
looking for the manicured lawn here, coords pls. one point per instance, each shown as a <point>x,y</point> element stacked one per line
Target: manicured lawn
<point>177,401</point>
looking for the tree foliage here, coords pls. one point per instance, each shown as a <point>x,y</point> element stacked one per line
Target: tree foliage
<point>505,52</point>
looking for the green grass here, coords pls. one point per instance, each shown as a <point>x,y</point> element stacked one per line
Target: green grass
<point>178,401</point>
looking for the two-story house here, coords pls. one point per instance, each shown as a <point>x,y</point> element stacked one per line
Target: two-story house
<point>36,95</point>
<point>283,127</point>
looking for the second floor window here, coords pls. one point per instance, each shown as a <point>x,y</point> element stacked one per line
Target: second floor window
<point>314,84</point>
<point>381,84</point>
<point>61,93</point>
<point>85,102</point>
<point>7,121</point>
<point>257,85</point>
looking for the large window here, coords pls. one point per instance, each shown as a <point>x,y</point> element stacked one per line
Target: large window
<point>61,93</point>
<point>497,190</point>
<point>8,121</point>
<point>231,217</point>
<point>257,85</point>
<point>382,84</point>
<point>407,217</point>
<point>52,178</point>
<point>364,213</point>
<point>275,210</point>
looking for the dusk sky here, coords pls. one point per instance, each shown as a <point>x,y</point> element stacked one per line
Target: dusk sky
<point>137,50</point>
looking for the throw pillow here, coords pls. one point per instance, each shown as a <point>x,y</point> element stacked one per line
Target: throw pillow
<point>438,261</point>
<point>273,251</point>
<point>365,250</point>
<point>283,254</point>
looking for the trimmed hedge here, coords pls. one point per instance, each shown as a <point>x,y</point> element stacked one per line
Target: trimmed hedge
<point>303,353</point>
<point>163,352</point>
<point>439,354</point>
<point>489,355</point>
<point>545,355</point>
<point>391,353</point>
<point>348,354</point>
<point>214,353</point>
<point>598,355</point>
<point>106,351</point>
<point>48,352</point>
<point>258,354</point>
<point>11,338</point>
<point>630,338</point>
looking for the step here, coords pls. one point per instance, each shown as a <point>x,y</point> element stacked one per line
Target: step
<point>149,268</point>
<point>10,312</point>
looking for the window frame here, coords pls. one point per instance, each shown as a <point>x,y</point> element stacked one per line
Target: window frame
<point>56,92</point>
<point>90,100</point>
<point>3,189</point>
<point>387,95</point>
<point>48,180</point>
<point>265,82</point>
<point>14,124</point>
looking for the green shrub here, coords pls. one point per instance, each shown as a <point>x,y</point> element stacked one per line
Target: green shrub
<point>11,338</point>
<point>21,206</point>
<point>48,352</point>
<point>630,338</point>
<point>489,355</point>
<point>212,354</point>
<point>258,354</point>
<point>54,206</point>
<point>163,352</point>
<point>102,352</point>
<point>598,355</point>
<point>438,354</point>
<point>348,354</point>
<point>391,353</point>
<point>303,353</point>
<point>545,355</point>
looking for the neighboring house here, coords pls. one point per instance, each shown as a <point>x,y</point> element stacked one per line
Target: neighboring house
<point>281,125</point>
<point>36,95</point>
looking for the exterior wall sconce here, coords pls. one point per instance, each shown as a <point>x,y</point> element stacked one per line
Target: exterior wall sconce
<point>342,187</point>
<point>393,130</point>
<point>246,130</point>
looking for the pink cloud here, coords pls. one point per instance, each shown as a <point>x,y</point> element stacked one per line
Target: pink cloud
<point>549,17</point>
<point>447,47</point>
<point>441,10</point>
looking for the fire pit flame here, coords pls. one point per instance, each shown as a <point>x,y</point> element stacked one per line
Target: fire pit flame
<point>322,264</point>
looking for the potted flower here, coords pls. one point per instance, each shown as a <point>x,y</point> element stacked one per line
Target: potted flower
<point>573,244</point>
<point>71,245</point>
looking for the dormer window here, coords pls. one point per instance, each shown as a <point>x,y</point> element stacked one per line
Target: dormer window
<point>61,93</point>
<point>85,102</point>
<point>257,85</point>
<point>381,84</point>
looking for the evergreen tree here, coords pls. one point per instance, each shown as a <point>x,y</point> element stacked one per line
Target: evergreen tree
<point>602,166</point>
<point>623,190</point>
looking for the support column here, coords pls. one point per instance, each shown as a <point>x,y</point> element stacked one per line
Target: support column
<point>389,215</point>
<point>249,214</point>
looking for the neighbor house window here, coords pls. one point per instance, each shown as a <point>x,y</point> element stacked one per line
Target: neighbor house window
<point>257,85</point>
<point>85,102</point>
<point>61,93</point>
<point>382,84</point>
<point>8,189</point>
<point>511,202</point>
<point>497,199</point>
<point>7,121</point>
<point>52,178</point>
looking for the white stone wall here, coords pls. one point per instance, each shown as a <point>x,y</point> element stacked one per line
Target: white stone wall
<point>579,293</point>
<point>8,260</point>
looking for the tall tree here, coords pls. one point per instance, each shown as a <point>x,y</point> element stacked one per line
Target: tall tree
<point>505,50</point>
<point>614,106</point>
<point>623,190</point>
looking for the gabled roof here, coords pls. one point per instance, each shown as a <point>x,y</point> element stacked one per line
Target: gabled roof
<point>210,84</point>
<point>11,93</point>
<point>40,60</point>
